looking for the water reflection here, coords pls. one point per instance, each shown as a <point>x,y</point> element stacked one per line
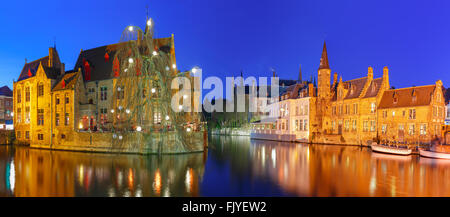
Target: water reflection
<point>33,172</point>
<point>233,166</point>
<point>327,170</point>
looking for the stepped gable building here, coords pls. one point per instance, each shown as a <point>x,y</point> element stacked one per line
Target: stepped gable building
<point>348,109</point>
<point>6,108</point>
<point>413,114</point>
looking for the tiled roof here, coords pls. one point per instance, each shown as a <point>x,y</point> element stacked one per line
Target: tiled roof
<point>5,91</point>
<point>101,68</point>
<point>70,78</point>
<point>397,98</point>
<point>355,87</point>
<point>374,88</point>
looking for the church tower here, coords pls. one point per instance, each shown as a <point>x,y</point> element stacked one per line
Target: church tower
<point>324,75</point>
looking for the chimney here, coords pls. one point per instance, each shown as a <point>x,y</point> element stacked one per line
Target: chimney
<point>63,69</point>
<point>386,78</point>
<point>370,73</point>
<point>50,57</point>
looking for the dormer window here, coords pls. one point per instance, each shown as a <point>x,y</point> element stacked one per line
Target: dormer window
<point>395,98</point>
<point>374,87</point>
<point>414,96</point>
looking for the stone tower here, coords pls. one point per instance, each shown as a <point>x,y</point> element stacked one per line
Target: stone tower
<point>324,75</point>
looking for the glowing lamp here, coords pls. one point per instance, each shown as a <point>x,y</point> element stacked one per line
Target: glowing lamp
<point>138,128</point>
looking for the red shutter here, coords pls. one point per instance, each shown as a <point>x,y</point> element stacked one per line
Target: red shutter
<point>29,73</point>
<point>63,83</point>
<point>106,57</point>
<point>87,70</point>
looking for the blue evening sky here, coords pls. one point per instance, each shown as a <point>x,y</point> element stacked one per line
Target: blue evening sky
<point>223,37</point>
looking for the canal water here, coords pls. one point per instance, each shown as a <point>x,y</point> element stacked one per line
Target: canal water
<point>233,166</point>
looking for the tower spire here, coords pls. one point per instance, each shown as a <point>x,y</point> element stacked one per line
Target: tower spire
<point>300,74</point>
<point>324,59</point>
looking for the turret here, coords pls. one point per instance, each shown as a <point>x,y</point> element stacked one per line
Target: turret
<point>324,75</point>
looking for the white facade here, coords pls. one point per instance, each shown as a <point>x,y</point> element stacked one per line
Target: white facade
<point>288,120</point>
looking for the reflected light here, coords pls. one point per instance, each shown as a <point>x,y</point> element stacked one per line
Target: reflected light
<point>81,174</point>
<point>130,178</point>
<point>157,182</point>
<point>274,158</point>
<point>188,181</point>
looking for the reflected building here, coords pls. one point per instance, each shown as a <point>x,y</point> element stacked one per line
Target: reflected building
<point>45,173</point>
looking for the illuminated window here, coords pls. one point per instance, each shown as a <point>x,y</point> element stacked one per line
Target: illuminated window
<point>365,126</point>
<point>373,107</point>
<point>355,108</point>
<point>423,129</point>
<point>301,125</point>
<point>412,129</point>
<point>347,125</point>
<point>27,114</point>
<point>372,126</point>
<point>354,125</point>
<point>412,114</point>
<point>305,125</point>
<point>40,116</point>
<point>66,119</point>
<point>383,128</point>
<point>19,115</point>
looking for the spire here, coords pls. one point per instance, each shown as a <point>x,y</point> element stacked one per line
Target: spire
<point>300,74</point>
<point>324,59</point>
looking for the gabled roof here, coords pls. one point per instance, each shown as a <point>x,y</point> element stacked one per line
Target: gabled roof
<point>5,91</point>
<point>354,87</point>
<point>101,68</point>
<point>32,67</point>
<point>404,97</point>
<point>374,88</point>
<point>357,85</point>
<point>70,78</point>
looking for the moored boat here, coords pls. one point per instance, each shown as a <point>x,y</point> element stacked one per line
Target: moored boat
<point>434,154</point>
<point>390,149</point>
